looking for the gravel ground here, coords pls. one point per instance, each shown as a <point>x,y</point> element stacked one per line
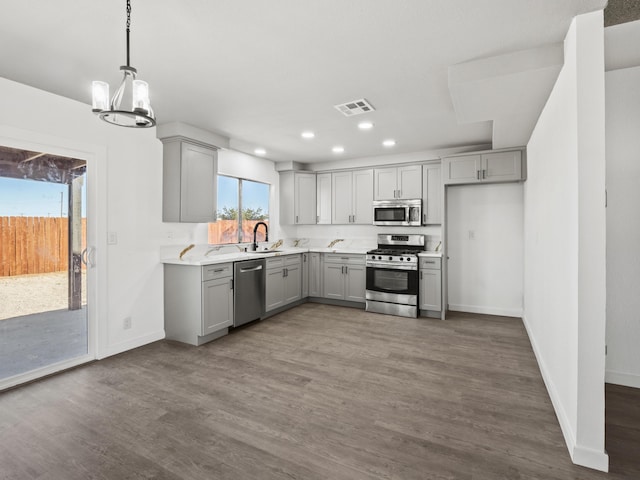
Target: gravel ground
<point>27,294</point>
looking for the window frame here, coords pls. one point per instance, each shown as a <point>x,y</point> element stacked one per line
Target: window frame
<point>239,232</point>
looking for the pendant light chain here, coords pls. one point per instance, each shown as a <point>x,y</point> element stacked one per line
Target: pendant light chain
<point>128,29</point>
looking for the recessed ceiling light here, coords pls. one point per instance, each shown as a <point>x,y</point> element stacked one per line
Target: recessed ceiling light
<point>389,143</point>
<point>365,125</point>
<point>337,149</point>
<point>308,134</point>
<point>260,151</point>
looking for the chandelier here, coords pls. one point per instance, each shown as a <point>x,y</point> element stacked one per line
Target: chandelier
<point>139,113</point>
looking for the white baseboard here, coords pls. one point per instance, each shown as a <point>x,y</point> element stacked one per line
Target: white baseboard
<point>621,378</point>
<point>133,343</point>
<point>579,455</point>
<point>590,458</point>
<point>503,312</point>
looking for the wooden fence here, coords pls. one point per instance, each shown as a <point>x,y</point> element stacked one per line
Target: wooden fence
<point>226,231</point>
<point>35,245</point>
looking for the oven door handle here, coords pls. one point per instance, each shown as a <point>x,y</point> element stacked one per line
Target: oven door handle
<point>386,266</point>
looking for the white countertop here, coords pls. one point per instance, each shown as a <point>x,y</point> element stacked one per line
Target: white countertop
<point>199,259</point>
<point>214,258</point>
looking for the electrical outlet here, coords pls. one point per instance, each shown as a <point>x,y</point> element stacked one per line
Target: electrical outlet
<point>112,238</point>
<point>126,323</point>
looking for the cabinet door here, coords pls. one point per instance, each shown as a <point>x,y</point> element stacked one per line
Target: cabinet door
<point>341,184</point>
<point>362,208</point>
<point>431,194</point>
<point>333,281</point>
<point>430,290</point>
<point>315,275</point>
<point>323,198</point>
<point>305,275</point>
<point>197,184</point>
<point>355,283</point>
<point>217,305</point>
<point>274,289</point>
<point>464,169</point>
<point>385,183</point>
<point>292,284</point>
<point>305,198</point>
<point>410,182</point>
<point>502,166</point>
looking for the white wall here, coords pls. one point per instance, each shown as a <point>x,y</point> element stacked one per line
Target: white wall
<point>623,225</point>
<point>485,248</point>
<point>565,243</point>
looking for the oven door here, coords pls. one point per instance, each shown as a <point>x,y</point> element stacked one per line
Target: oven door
<point>392,285</point>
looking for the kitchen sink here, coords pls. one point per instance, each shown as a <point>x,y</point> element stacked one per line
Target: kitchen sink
<point>264,251</point>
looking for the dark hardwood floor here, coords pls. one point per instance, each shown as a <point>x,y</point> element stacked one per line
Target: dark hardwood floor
<point>318,392</point>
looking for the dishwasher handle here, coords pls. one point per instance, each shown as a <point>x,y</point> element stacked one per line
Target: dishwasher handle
<point>243,270</point>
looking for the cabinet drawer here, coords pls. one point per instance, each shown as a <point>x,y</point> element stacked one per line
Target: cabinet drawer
<point>274,262</point>
<point>292,260</point>
<point>433,263</point>
<point>345,259</point>
<point>211,272</point>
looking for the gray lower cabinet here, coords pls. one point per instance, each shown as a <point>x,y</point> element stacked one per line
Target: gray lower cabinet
<point>305,275</point>
<point>198,302</point>
<point>315,274</point>
<point>283,281</point>
<point>430,284</point>
<point>344,277</point>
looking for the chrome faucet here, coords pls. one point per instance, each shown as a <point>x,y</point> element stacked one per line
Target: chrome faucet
<point>266,234</point>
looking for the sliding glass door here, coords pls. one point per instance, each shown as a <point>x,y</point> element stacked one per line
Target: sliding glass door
<point>43,263</point>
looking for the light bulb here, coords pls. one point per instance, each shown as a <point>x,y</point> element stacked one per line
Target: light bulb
<point>141,95</point>
<point>100,96</point>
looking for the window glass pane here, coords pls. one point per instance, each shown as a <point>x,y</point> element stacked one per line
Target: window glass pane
<point>225,230</point>
<point>255,208</point>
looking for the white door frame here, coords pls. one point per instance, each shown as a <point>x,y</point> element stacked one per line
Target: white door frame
<point>96,158</point>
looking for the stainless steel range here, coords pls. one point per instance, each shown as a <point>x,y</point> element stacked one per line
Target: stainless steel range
<point>392,275</point>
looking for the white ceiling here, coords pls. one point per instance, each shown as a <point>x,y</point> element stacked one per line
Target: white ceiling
<point>260,72</point>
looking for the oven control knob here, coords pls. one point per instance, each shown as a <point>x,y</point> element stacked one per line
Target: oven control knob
<point>390,258</point>
<point>379,257</point>
<point>401,258</point>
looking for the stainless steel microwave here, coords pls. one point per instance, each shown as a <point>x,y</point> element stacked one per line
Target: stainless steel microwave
<point>402,213</point>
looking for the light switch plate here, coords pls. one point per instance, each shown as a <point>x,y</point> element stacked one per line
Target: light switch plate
<point>112,238</point>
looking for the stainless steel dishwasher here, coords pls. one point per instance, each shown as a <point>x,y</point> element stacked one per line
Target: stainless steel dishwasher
<point>248,296</point>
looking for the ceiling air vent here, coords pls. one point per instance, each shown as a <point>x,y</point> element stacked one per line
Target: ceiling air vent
<point>355,107</point>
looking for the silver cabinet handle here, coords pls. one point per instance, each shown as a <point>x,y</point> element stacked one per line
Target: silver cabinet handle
<point>484,173</point>
<point>346,270</point>
<point>231,284</point>
<point>296,218</point>
<point>218,270</point>
<point>354,219</point>
<point>477,174</point>
<point>344,258</point>
<point>420,275</point>
<point>424,218</point>
<point>317,218</point>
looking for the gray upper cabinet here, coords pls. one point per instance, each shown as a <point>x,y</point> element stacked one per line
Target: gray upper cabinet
<point>431,194</point>
<point>298,198</point>
<point>352,194</point>
<point>398,182</point>
<point>489,167</point>
<point>323,198</point>
<point>189,181</point>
